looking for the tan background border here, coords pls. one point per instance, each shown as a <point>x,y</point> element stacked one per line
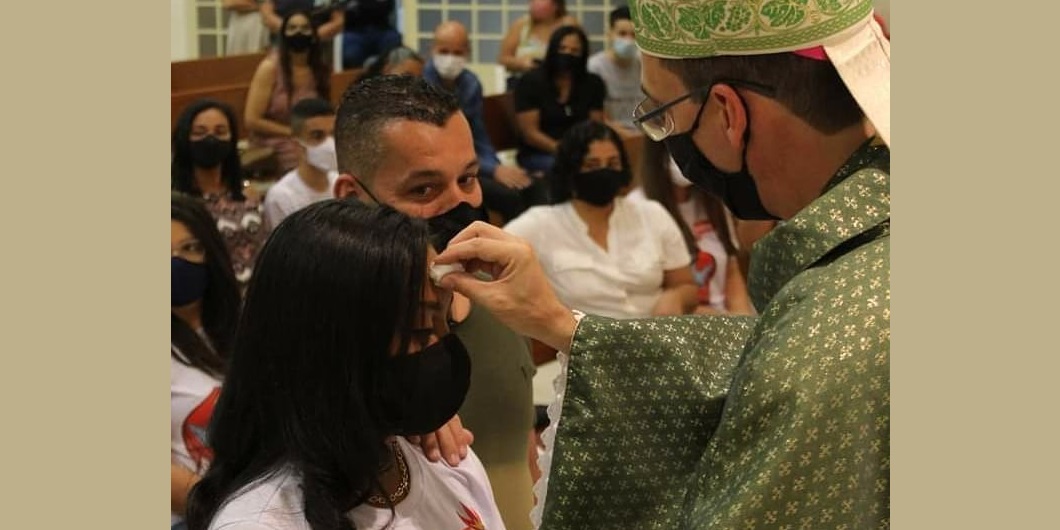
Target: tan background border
<point>86,175</point>
<point>82,283</point>
<point>974,406</point>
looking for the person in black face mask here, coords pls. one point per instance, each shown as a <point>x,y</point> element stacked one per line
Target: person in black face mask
<point>291,72</point>
<point>600,252</point>
<point>550,99</point>
<point>206,165</point>
<point>204,311</point>
<point>403,141</point>
<point>343,349</point>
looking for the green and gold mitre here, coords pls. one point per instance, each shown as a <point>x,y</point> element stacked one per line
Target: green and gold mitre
<point>681,29</point>
<point>840,31</point>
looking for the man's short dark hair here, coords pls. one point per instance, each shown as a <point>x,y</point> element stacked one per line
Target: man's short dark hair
<point>810,89</point>
<point>306,109</point>
<point>619,13</point>
<point>369,106</point>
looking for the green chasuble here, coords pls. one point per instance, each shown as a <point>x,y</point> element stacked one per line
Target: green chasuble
<point>715,422</point>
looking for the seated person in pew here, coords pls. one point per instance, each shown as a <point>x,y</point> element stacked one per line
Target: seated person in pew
<point>327,16</point>
<point>602,253</point>
<point>313,124</point>
<point>204,312</point>
<point>370,28</point>
<point>553,97</point>
<point>708,229</point>
<point>290,73</point>
<point>524,44</point>
<point>399,60</point>
<point>206,165</point>
<point>501,184</point>
<point>619,67</point>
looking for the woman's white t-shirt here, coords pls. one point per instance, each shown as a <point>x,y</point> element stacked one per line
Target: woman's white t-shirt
<point>192,396</point>
<point>624,281</point>
<point>441,497</point>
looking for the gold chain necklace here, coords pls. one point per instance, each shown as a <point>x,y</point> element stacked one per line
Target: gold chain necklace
<point>402,490</point>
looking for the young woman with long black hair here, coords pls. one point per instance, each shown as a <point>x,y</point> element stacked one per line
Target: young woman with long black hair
<point>343,349</point>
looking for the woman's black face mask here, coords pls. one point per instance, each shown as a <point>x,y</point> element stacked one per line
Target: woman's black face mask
<point>420,392</point>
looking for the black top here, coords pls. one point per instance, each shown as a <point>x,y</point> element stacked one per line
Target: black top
<point>320,12</point>
<point>535,91</point>
<point>369,13</point>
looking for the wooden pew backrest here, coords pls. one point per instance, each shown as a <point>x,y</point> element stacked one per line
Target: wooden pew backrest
<point>340,81</point>
<point>498,111</point>
<point>201,74</point>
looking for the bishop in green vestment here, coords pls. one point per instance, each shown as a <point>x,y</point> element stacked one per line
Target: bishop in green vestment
<point>779,421</point>
<point>718,422</point>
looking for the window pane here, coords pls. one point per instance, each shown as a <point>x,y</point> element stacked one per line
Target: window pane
<point>490,22</point>
<point>462,16</point>
<point>488,51</point>
<point>207,17</point>
<point>594,23</point>
<point>512,16</point>
<point>425,47</point>
<point>207,46</point>
<point>429,19</point>
<point>595,46</point>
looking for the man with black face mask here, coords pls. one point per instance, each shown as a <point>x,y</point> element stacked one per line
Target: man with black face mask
<point>775,421</point>
<point>404,142</point>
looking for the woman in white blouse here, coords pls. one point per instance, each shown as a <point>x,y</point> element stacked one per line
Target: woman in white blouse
<point>603,254</point>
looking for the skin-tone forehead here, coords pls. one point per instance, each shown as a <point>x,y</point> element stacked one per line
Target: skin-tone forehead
<point>601,149</point>
<point>179,232</point>
<point>432,294</point>
<point>451,34</point>
<point>624,25</point>
<point>321,123</point>
<point>297,22</point>
<point>571,42</point>
<point>209,118</point>
<point>430,290</point>
<point>414,144</point>
<point>435,301</point>
<point>418,151</point>
<point>659,83</point>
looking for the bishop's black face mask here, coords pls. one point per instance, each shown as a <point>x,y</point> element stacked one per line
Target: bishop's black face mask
<point>420,392</point>
<point>737,190</point>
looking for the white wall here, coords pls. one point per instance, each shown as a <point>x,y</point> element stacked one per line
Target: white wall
<point>179,30</point>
